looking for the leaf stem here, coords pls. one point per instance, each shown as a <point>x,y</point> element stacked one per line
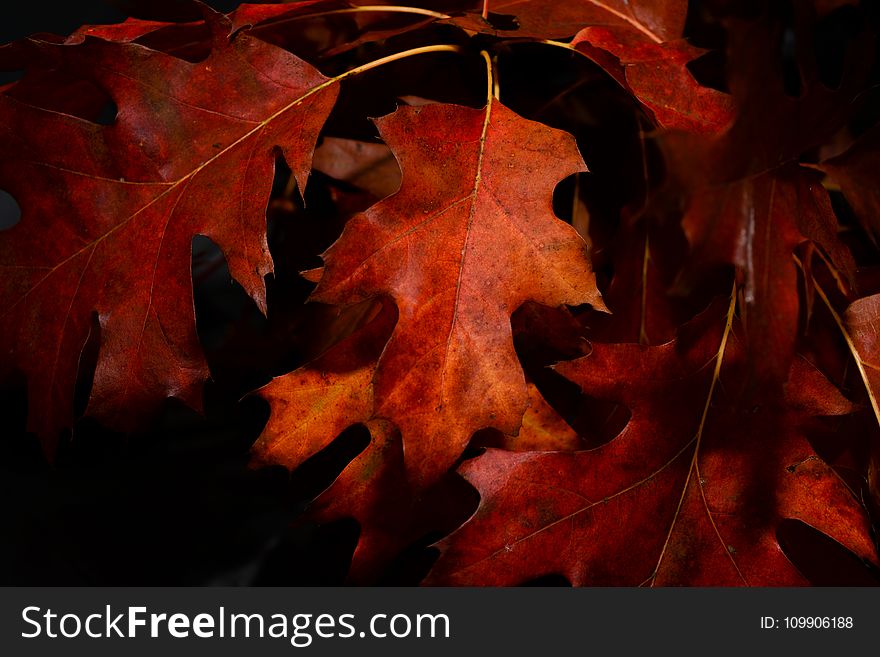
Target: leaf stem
<point>646,258</point>
<point>393,58</point>
<point>558,44</point>
<point>490,78</point>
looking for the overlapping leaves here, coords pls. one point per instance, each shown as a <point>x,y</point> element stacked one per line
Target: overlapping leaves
<point>452,286</point>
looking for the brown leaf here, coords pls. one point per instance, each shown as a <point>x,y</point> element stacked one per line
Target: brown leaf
<point>862,325</point>
<point>861,328</point>
<point>369,167</point>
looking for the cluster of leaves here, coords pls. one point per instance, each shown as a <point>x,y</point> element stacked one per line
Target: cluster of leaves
<point>661,371</point>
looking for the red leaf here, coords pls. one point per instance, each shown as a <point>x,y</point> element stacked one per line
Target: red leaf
<point>315,403</point>
<point>657,75</point>
<point>474,228</point>
<point>542,430</point>
<point>691,492</point>
<point>392,515</point>
<point>660,20</point>
<point>109,212</point>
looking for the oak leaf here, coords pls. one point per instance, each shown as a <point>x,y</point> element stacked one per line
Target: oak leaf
<point>694,487</point>
<point>542,430</point>
<point>191,151</point>
<point>310,407</point>
<point>316,402</point>
<point>468,238</point>
<point>391,513</point>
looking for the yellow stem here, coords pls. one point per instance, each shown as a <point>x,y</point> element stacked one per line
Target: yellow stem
<point>490,78</point>
<point>558,44</point>
<point>393,58</point>
<point>694,467</point>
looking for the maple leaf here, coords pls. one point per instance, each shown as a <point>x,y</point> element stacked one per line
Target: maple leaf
<point>694,486</point>
<point>108,219</point>
<point>469,237</point>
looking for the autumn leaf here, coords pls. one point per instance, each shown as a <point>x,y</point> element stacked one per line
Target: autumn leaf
<point>392,514</point>
<point>474,228</point>
<point>658,76</point>
<point>658,21</point>
<point>191,152</point>
<point>316,402</point>
<point>542,430</point>
<point>458,317</point>
<point>862,330</point>
<point>695,486</point>
<point>752,207</point>
<point>311,406</point>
